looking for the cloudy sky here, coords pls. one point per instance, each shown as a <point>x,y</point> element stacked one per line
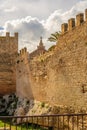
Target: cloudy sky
<point>35,18</point>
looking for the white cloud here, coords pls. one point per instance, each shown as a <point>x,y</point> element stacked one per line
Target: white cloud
<point>12,9</point>
<point>54,20</point>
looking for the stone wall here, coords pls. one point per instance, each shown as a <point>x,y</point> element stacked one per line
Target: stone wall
<point>58,77</point>
<point>8,54</point>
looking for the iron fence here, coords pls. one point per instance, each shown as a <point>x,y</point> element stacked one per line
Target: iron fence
<point>44,122</point>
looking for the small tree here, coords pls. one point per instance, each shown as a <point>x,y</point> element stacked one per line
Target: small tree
<point>54,36</point>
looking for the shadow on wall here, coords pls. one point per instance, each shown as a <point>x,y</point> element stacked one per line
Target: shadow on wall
<point>23,83</point>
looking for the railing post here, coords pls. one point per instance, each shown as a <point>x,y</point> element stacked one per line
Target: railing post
<point>16,123</point>
<point>63,122</point>
<point>10,124</point>
<point>26,123</point>
<point>72,122</point>
<point>68,122</point>
<point>37,123</point>
<point>4,126</point>
<point>77,122</point>
<point>58,122</point>
<point>32,122</point>
<point>82,122</point>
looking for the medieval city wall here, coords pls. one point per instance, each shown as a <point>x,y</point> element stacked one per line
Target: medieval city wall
<point>59,77</point>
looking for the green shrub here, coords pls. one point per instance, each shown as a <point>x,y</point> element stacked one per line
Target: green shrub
<point>42,104</point>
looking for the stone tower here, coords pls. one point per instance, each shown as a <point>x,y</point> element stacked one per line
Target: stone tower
<point>8,54</point>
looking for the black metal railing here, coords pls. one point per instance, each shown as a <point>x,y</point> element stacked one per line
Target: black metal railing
<point>44,122</point>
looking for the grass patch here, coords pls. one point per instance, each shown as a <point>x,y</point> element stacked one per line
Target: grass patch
<point>7,126</point>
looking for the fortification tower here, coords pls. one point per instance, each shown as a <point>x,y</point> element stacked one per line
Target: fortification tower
<point>8,54</point>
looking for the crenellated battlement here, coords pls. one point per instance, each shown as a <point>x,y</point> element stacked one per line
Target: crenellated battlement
<point>23,56</point>
<point>64,28</point>
<point>23,51</point>
<point>8,35</point>
<point>72,23</point>
<point>9,43</point>
<point>79,19</point>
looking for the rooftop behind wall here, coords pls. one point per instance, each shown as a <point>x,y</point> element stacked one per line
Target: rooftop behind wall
<point>72,23</point>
